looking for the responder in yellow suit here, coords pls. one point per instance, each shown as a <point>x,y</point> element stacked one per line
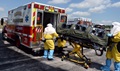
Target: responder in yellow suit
<point>60,45</point>
<point>113,52</point>
<point>49,35</point>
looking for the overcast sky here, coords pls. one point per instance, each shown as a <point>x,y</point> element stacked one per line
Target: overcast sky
<point>100,11</point>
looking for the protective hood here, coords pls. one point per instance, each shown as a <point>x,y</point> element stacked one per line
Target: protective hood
<point>116,28</point>
<point>49,25</point>
<point>49,29</point>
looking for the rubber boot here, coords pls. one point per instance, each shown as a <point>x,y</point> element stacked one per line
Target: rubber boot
<point>50,55</point>
<point>117,66</point>
<point>45,54</point>
<point>107,66</point>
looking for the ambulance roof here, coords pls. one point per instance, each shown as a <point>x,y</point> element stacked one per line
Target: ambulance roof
<point>47,5</point>
<point>37,3</point>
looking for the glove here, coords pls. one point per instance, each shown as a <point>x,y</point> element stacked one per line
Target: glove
<point>57,39</point>
<point>109,35</point>
<point>43,40</point>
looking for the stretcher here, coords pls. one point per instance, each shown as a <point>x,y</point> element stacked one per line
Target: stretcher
<point>79,40</point>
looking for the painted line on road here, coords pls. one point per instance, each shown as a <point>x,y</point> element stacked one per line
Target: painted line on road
<point>0,29</point>
<point>13,68</point>
<point>21,60</point>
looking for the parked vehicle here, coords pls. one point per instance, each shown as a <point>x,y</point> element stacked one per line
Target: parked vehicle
<point>25,24</point>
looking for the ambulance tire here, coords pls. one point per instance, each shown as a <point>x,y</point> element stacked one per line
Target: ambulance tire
<point>4,37</point>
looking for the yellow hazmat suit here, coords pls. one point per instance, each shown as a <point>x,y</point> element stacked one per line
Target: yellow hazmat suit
<point>112,51</point>
<point>49,34</point>
<point>61,43</point>
<point>49,43</point>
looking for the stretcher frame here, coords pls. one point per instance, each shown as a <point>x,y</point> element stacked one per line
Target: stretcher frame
<point>79,50</point>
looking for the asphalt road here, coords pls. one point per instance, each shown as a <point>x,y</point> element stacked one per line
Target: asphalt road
<point>20,59</point>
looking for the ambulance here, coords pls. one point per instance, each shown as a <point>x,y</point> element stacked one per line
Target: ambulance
<point>25,24</point>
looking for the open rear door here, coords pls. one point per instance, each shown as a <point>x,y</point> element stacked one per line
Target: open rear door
<point>63,18</point>
<point>39,25</point>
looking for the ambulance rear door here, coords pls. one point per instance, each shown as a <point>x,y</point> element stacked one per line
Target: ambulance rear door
<point>63,18</point>
<point>39,25</point>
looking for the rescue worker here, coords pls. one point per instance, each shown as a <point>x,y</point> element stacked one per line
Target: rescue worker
<point>60,44</point>
<point>113,51</point>
<point>49,35</point>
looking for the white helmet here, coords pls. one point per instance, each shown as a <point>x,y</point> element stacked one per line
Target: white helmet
<point>116,24</point>
<point>116,28</point>
<point>49,25</point>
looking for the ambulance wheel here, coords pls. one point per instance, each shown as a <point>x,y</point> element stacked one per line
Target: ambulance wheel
<point>17,43</point>
<point>4,36</point>
<point>89,62</point>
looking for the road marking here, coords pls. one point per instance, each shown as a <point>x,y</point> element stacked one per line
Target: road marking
<point>13,68</point>
<point>8,62</point>
<point>0,29</point>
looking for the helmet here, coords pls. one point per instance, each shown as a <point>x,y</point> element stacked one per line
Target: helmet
<point>49,25</point>
<point>116,24</point>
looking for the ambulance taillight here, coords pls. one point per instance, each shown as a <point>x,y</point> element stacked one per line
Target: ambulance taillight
<point>29,5</point>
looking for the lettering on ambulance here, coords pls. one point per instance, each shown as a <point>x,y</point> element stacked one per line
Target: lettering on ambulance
<point>19,29</point>
<point>26,40</point>
<point>18,13</point>
<point>26,35</point>
<point>10,31</point>
<point>18,17</point>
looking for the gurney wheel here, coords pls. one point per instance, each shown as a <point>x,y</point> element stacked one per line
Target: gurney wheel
<point>63,57</point>
<point>86,66</point>
<point>89,61</point>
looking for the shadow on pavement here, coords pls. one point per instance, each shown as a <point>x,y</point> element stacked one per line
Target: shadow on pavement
<point>95,65</point>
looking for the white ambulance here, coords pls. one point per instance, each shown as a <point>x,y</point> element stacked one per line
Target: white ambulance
<point>25,24</point>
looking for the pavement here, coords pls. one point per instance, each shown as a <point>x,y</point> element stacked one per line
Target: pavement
<point>21,59</point>
<point>0,29</point>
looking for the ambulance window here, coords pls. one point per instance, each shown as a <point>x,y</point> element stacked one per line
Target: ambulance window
<point>63,19</point>
<point>39,18</point>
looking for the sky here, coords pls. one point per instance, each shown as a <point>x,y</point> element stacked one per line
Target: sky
<point>99,11</point>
